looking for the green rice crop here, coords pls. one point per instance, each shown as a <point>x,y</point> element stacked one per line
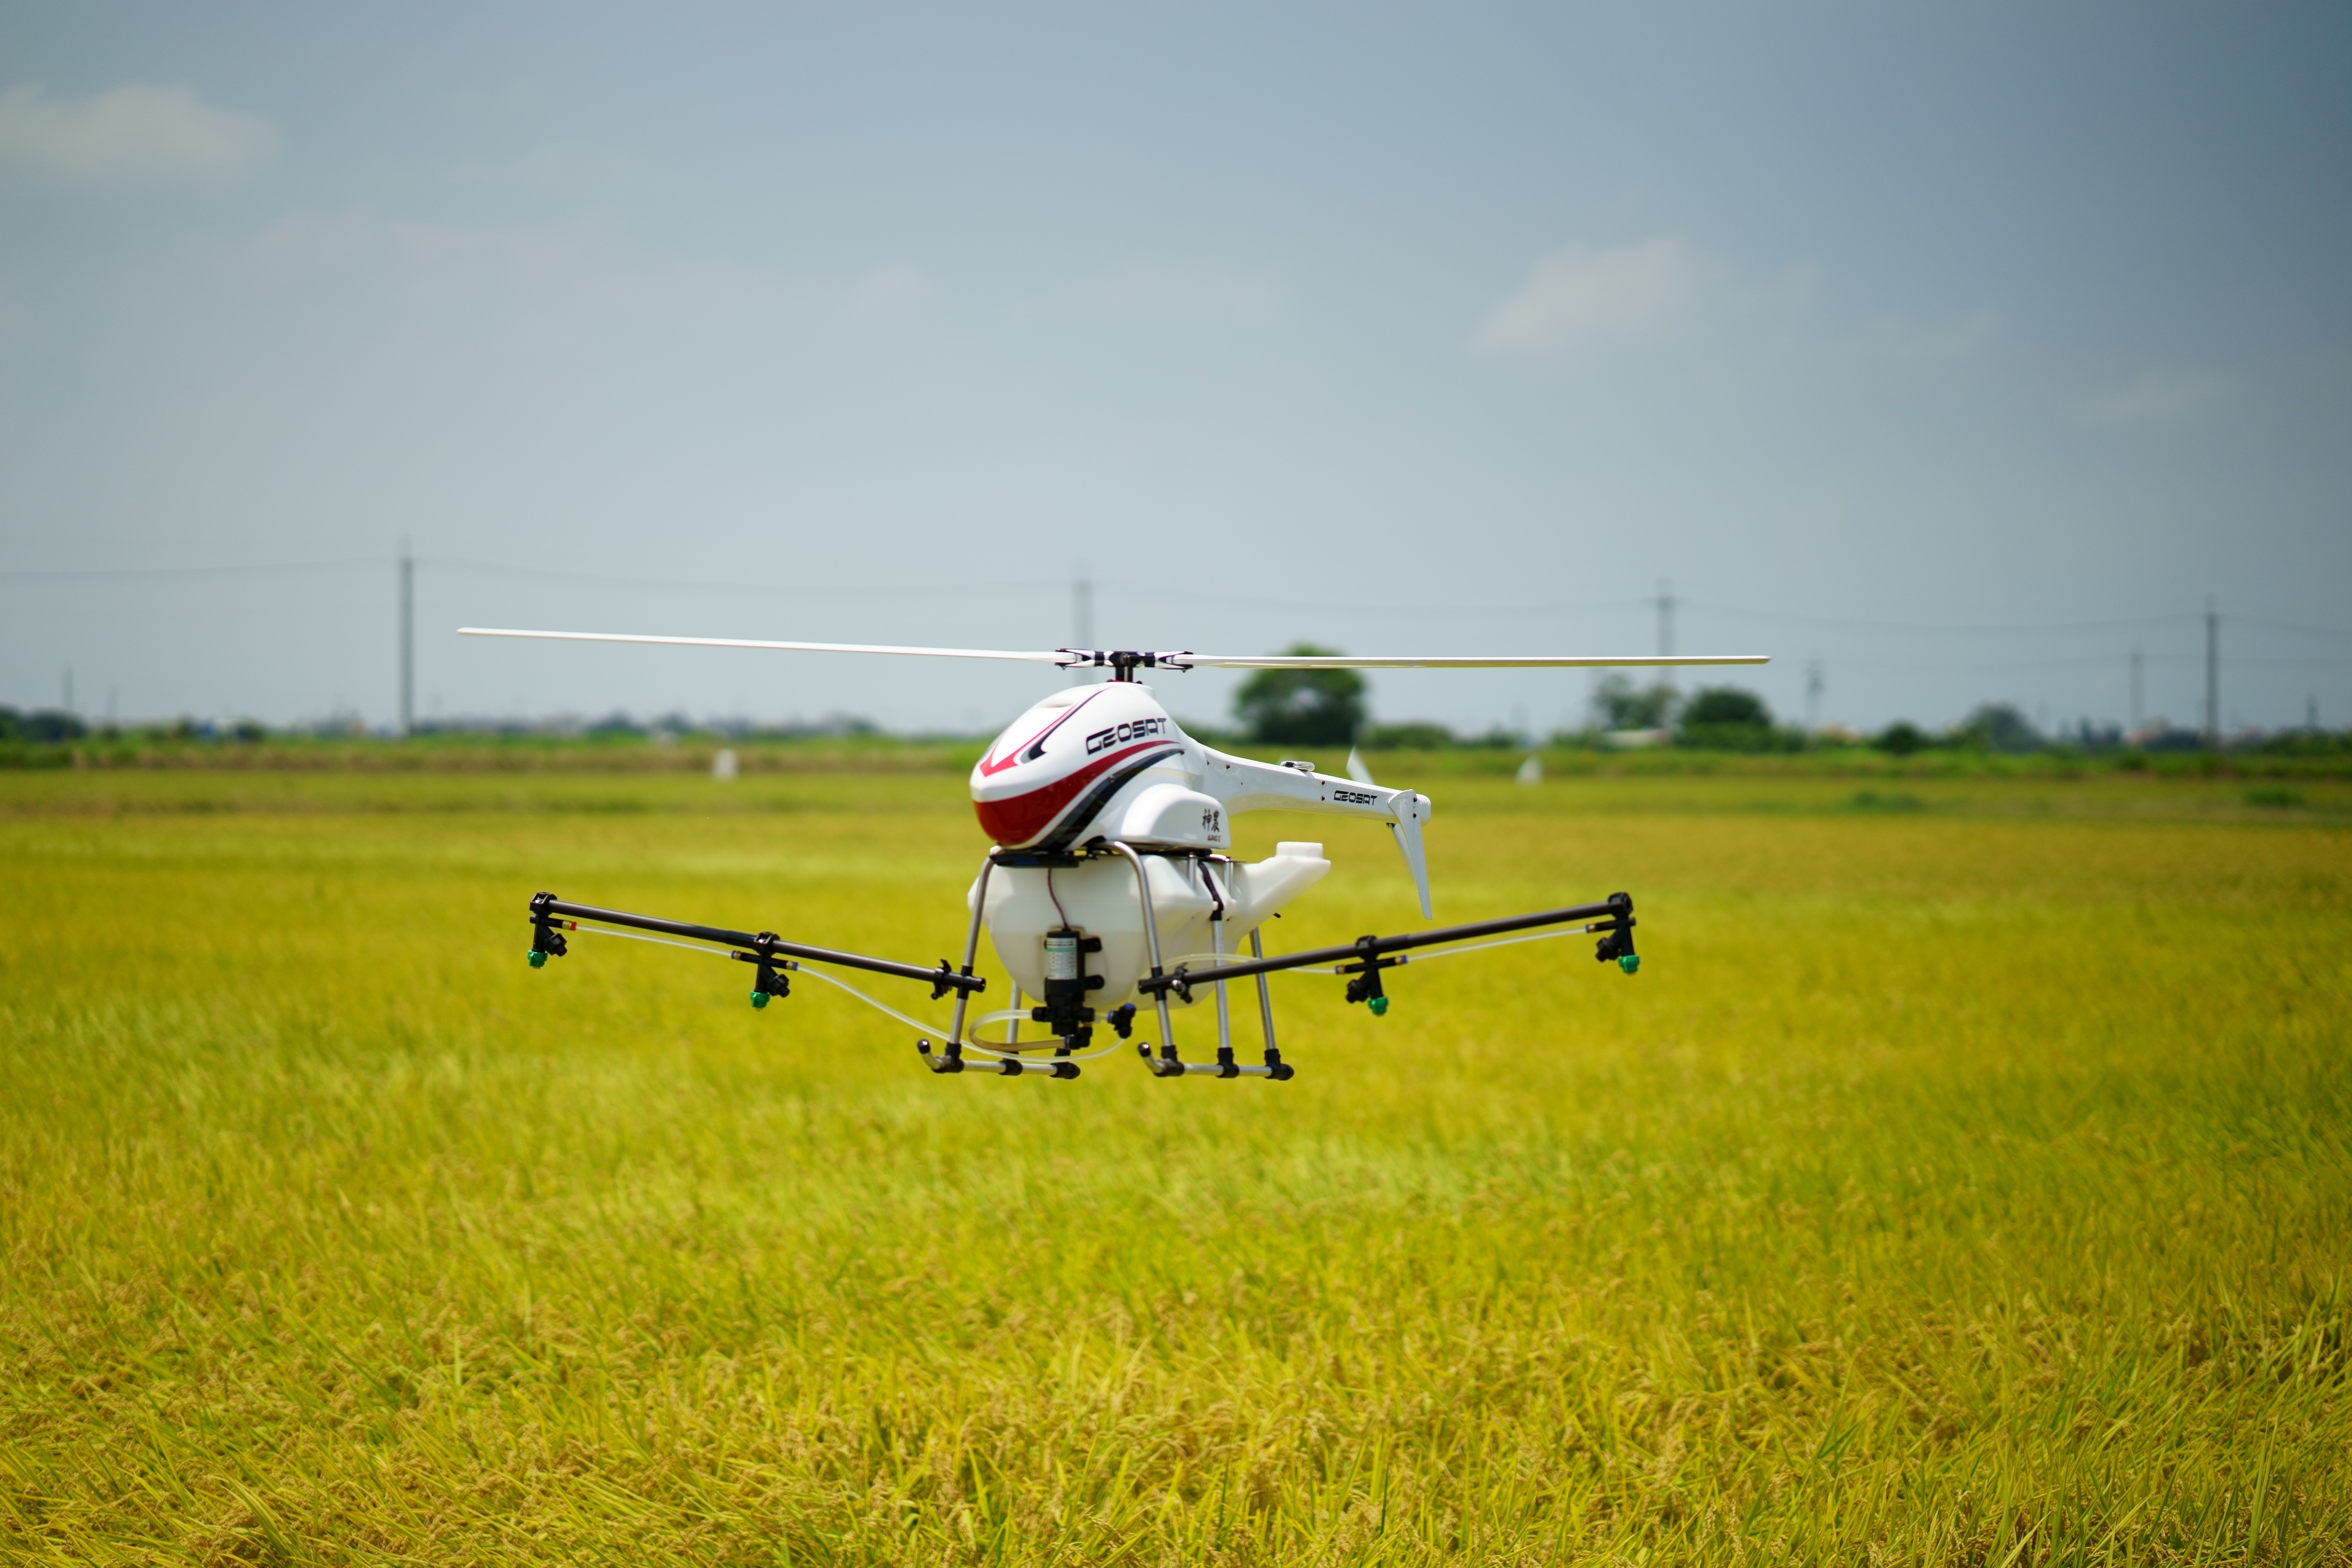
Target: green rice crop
<point>1963,1179</point>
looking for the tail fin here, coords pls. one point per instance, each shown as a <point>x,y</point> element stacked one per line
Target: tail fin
<point>1357,770</point>
<point>1411,811</point>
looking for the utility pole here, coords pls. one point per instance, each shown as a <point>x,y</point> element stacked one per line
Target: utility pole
<point>1665,603</point>
<point>1813,697</point>
<point>2138,722</point>
<point>68,689</point>
<point>407,640</point>
<point>2212,674</point>
<point>1082,616</point>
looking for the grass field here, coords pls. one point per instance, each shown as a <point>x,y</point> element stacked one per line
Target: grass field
<point>1964,1179</point>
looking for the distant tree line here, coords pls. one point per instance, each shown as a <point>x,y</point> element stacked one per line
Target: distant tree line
<point>1303,708</point>
<point>55,725</point>
<point>1328,708</point>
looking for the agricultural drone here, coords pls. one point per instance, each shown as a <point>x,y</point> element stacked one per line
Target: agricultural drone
<point>1108,886</point>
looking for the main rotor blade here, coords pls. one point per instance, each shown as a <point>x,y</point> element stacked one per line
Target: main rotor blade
<point>786,646</point>
<point>1375,661</point>
<point>1181,660</point>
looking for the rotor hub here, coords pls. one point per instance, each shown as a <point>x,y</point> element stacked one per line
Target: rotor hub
<point>1123,662</point>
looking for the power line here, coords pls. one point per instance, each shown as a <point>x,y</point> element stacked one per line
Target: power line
<point>743,585</point>
<point>730,585</point>
<point>551,574</point>
<point>1037,584</point>
<point>249,569</point>
<point>2062,661</point>
<point>1984,629</point>
<point>2293,626</point>
<point>1665,602</point>
<point>1358,607</point>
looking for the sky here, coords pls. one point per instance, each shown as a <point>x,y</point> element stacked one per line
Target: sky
<point>1945,353</point>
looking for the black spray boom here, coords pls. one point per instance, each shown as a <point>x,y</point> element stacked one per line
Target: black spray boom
<point>1369,955</point>
<point>764,947</point>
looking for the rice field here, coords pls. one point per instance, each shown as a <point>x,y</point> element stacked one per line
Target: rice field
<point>1964,1179</point>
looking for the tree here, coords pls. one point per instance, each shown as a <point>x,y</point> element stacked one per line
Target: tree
<point>1717,705</point>
<point>1999,727</point>
<point>1413,735</point>
<point>1622,705</point>
<point>41,724</point>
<point>1729,719</point>
<point>1901,739</point>
<point>1302,707</point>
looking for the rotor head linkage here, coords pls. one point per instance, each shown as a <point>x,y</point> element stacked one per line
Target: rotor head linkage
<point>1122,662</point>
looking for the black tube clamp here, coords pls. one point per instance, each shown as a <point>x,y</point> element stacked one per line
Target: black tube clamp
<point>546,942</point>
<point>766,981</point>
<point>1617,942</point>
<point>1366,985</point>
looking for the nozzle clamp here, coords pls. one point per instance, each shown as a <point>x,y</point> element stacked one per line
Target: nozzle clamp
<point>546,942</point>
<point>1617,942</point>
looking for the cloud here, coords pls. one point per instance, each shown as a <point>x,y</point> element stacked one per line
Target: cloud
<point>892,291</point>
<point>554,172</point>
<point>131,135</point>
<point>2157,397</point>
<point>303,243</point>
<point>1932,341</point>
<point>1209,293</point>
<point>1579,297</point>
<point>533,267</point>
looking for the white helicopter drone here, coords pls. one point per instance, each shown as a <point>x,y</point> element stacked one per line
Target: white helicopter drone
<point>1108,884</point>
